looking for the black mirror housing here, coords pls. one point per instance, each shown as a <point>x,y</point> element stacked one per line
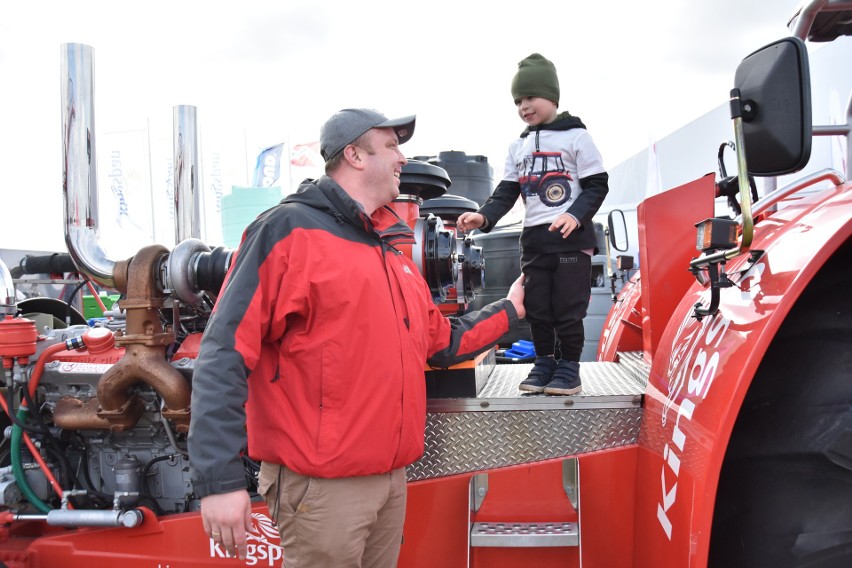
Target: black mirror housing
<point>617,230</point>
<point>775,94</point>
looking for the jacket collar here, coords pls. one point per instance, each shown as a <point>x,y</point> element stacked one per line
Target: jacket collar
<point>326,195</point>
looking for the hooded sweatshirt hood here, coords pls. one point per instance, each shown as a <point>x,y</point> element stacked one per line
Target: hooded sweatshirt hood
<point>563,121</point>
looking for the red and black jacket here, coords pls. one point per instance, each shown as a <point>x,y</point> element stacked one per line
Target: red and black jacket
<point>316,348</point>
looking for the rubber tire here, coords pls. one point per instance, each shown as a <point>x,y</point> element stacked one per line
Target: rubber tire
<point>785,490</point>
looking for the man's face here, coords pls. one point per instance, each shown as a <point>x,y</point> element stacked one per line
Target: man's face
<point>383,162</point>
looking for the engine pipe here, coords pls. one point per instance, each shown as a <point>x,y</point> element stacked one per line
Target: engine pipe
<point>79,165</point>
<point>71,413</point>
<point>183,276</point>
<point>18,467</point>
<point>210,269</point>
<point>86,518</point>
<point>145,355</point>
<point>51,479</point>
<point>18,433</point>
<point>56,263</point>
<point>145,341</point>
<point>187,174</point>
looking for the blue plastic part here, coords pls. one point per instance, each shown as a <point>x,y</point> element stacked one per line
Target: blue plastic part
<point>520,349</point>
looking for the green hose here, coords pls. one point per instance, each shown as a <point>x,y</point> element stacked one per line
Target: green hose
<point>17,466</point>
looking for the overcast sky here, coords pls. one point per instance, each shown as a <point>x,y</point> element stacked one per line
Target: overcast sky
<point>633,71</point>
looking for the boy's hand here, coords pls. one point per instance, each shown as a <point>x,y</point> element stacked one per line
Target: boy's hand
<point>469,221</point>
<point>565,224</point>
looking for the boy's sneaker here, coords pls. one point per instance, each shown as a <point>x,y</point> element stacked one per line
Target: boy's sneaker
<point>566,379</point>
<point>540,376</point>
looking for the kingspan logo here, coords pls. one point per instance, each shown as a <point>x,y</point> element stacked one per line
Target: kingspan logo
<point>693,366</point>
<point>262,543</point>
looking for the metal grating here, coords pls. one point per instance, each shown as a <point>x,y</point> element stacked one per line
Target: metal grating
<point>599,379</point>
<point>524,534</point>
<point>502,427</point>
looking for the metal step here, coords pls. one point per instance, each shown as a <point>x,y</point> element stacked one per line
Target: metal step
<point>605,385</point>
<point>503,426</point>
<point>517,535</point>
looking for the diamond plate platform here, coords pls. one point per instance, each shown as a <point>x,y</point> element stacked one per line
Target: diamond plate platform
<point>503,426</point>
<point>605,385</point>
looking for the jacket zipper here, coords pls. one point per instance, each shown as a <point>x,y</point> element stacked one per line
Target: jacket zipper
<point>385,247</point>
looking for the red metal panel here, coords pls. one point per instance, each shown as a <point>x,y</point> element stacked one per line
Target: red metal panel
<point>515,557</point>
<point>607,500</point>
<point>622,330</point>
<point>702,370</point>
<point>168,542</point>
<point>436,523</point>
<point>666,245</point>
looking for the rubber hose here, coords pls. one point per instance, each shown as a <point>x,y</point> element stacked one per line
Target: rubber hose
<point>18,468</point>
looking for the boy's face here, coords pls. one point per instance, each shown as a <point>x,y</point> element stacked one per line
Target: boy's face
<point>536,110</point>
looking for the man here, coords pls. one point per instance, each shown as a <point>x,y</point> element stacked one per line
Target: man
<point>322,330</point>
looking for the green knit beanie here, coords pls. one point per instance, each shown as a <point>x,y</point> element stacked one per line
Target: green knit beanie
<point>536,77</point>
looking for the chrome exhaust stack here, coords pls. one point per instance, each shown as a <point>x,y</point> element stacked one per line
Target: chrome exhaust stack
<point>187,174</point>
<point>79,165</point>
<point>80,191</point>
<point>182,274</point>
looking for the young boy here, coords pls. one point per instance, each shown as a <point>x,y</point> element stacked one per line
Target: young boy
<point>557,170</point>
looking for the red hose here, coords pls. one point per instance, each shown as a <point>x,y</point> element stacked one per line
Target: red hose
<point>39,367</point>
<point>37,456</point>
<point>33,386</point>
<point>96,295</point>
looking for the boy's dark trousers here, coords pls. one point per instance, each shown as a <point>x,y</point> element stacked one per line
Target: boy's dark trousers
<point>557,289</point>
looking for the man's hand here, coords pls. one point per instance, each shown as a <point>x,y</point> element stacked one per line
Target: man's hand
<point>565,224</point>
<point>227,519</point>
<point>516,296</point>
<point>468,221</point>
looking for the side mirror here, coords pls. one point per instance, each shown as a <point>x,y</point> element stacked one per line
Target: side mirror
<point>617,230</point>
<point>775,92</point>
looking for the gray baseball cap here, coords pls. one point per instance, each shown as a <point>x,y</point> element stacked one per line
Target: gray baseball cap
<point>345,126</point>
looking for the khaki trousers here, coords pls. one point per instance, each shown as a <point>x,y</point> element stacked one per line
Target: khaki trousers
<point>336,523</point>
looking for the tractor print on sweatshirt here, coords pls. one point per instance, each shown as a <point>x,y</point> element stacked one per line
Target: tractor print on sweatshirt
<point>545,176</point>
